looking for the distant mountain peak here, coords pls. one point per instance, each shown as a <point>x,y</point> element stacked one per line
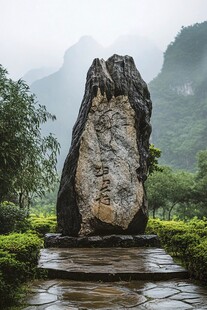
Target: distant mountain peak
<point>87,39</point>
<point>84,46</point>
<point>37,74</point>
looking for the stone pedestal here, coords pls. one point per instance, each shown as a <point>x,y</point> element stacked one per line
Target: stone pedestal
<point>124,241</point>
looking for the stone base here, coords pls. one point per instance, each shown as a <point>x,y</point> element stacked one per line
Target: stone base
<point>125,241</point>
<point>110,264</point>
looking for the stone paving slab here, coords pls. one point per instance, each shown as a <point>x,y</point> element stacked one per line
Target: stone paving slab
<point>110,264</point>
<point>142,295</point>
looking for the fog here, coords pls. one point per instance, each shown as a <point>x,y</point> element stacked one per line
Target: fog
<point>36,33</point>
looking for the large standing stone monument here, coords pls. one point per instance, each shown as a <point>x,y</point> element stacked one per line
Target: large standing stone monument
<point>102,184</point>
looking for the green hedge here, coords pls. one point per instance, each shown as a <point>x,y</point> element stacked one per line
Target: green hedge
<point>19,251</point>
<point>198,262</point>
<point>186,241</point>
<point>43,225</point>
<point>18,260</point>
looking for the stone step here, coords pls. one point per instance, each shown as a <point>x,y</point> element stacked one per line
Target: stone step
<point>110,264</point>
<point>59,241</point>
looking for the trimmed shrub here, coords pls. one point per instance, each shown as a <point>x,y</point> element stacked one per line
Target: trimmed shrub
<point>25,247</point>
<point>187,241</point>
<point>153,226</point>
<point>12,218</point>
<point>198,260</point>
<point>11,275</point>
<point>181,244</point>
<point>18,260</point>
<point>44,225</point>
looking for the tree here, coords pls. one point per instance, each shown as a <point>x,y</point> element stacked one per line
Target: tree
<point>168,188</point>
<point>154,154</point>
<point>156,186</point>
<point>179,193</point>
<point>27,160</point>
<point>199,193</point>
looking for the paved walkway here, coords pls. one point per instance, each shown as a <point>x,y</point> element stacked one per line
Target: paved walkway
<point>142,295</point>
<point>126,278</point>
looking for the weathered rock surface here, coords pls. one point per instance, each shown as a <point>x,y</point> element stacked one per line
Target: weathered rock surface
<point>108,241</point>
<point>102,184</point>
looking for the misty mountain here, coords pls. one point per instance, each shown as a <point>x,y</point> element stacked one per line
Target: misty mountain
<point>62,91</point>
<point>147,56</point>
<point>36,74</point>
<point>179,95</point>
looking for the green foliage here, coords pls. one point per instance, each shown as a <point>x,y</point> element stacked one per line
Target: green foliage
<point>160,227</point>
<point>46,205</point>
<point>154,154</point>
<point>202,164</point>
<point>19,253</point>
<point>18,260</point>
<point>11,276</point>
<point>27,160</point>
<point>179,193</point>
<point>167,188</point>
<point>200,192</point>
<point>187,241</point>
<point>179,97</point>
<point>12,218</point>
<point>44,225</point>
<point>198,263</point>
<point>189,47</point>
<point>25,246</point>
<point>43,209</point>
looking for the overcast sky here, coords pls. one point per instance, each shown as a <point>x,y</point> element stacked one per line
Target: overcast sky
<point>36,33</point>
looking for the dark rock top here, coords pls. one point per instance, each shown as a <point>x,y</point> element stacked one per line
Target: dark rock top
<point>115,77</point>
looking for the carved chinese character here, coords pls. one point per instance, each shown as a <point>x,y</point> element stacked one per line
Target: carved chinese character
<point>105,199</point>
<point>98,171</point>
<point>105,170</point>
<point>105,186</point>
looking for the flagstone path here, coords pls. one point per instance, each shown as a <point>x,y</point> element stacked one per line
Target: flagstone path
<point>95,278</point>
<point>152,295</point>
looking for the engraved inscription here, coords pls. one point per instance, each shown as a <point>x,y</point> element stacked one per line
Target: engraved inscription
<point>103,197</point>
<point>106,178</point>
<point>100,171</point>
<point>105,186</point>
<point>105,170</point>
<point>109,121</point>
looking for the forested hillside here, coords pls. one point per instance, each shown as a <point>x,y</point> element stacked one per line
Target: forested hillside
<point>179,95</point>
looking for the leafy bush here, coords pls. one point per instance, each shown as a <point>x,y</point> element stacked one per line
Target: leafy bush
<point>181,244</point>
<point>18,259</point>
<point>11,275</point>
<point>25,247</point>
<point>188,241</point>
<point>198,261</point>
<point>153,226</point>
<point>43,225</point>
<point>12,218</point>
